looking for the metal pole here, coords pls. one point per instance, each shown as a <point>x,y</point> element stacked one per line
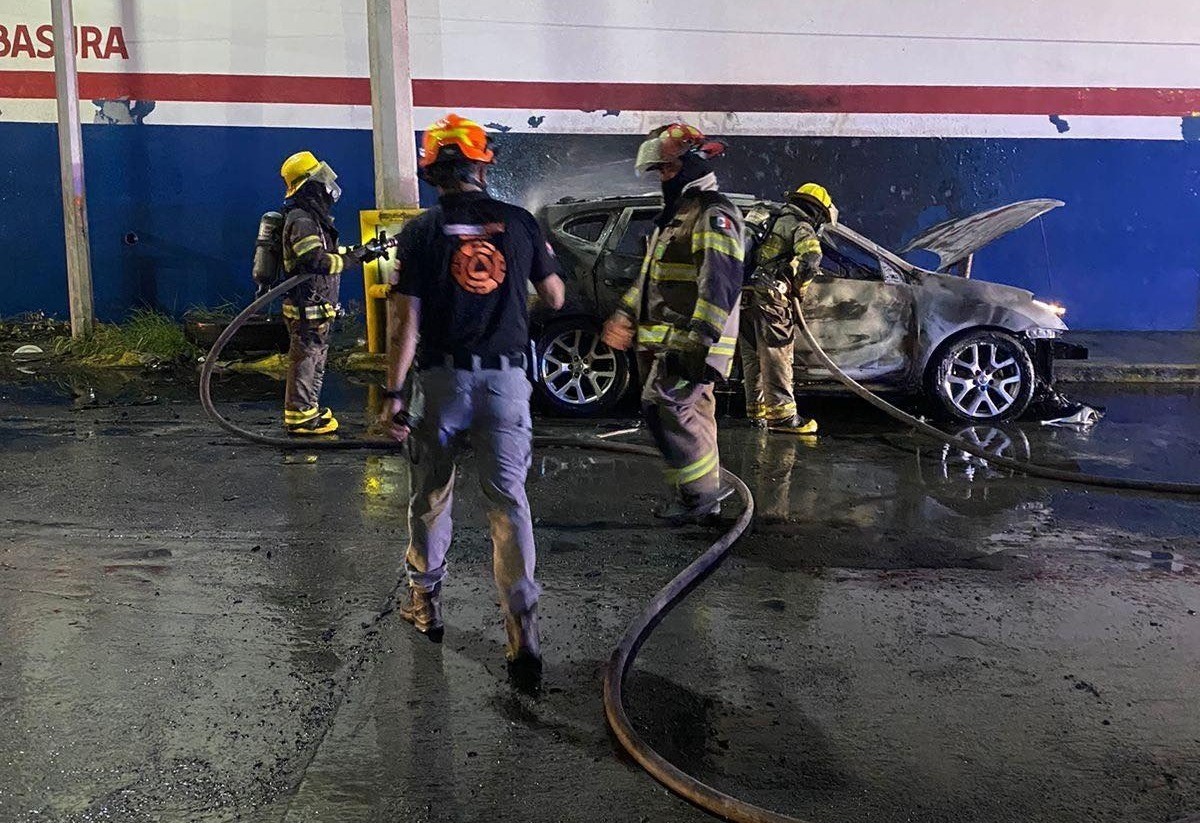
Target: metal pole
<point>70,161</point>
<point>391,104</point>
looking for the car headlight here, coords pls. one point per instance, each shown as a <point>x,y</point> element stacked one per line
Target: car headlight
<point>1053,308</point>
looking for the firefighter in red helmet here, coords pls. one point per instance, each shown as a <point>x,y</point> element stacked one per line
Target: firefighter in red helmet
<point>684,310</point>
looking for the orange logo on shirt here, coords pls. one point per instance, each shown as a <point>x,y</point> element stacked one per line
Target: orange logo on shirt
<point>478,266</point>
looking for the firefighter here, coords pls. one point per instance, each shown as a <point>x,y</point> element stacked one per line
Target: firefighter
<point>684,310</point>
<point>458,303</point>
<point>787,260</point>
<point>310,245</point>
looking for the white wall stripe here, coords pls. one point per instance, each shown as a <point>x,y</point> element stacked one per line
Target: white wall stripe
<point>730,124</point>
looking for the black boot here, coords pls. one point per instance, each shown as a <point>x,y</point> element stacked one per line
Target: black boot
<point>424,611</point>
<point>704,512</point>
<point>523,651</point>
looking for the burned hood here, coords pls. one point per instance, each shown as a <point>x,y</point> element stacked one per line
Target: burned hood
<point>955,240</point>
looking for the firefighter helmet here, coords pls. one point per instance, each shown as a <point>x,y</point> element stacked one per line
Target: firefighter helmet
<point>304,166</point>
<point>817,199</point>
<point>671,142</point>
<point>455,138</point>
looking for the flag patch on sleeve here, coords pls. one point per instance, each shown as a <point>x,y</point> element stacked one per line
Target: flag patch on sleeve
<point>722,223</point>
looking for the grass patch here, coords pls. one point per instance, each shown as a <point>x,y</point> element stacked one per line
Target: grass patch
<point>145,337</point>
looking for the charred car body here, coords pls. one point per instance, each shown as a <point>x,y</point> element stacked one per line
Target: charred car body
<point>977,351</point>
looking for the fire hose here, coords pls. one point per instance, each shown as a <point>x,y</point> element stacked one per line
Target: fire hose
<point>625,653</point>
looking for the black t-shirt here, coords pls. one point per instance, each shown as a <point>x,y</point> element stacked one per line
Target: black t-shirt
<point>469,260</point>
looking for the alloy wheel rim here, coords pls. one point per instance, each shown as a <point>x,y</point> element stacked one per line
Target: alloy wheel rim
<point>984,380</point>
<point>577,368</point>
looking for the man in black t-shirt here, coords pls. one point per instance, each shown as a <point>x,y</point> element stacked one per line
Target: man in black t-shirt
<point>458,305</point>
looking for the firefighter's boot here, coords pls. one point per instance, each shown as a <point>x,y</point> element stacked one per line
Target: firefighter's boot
<point>424,611</point>
<point>523,651</point>
<point>795,424</point>
<point>704,512</point>
<point>323,423</point>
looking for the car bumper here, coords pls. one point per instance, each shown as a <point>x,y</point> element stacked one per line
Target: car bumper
<point>1062,350</point>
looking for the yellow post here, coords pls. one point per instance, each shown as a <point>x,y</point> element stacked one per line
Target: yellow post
<point>375,273</point>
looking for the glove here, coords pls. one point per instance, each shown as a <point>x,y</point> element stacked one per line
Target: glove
<point>688,365</point>
<point>364,253</point>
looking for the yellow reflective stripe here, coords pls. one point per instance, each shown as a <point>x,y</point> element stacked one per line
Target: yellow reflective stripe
<point>302,416</point>
<point>320,311</point>
<point>779,412</point>
<point>714,315</point>
<point>672,272</point>
<point>632,297</point>
<point>306,244</point>
<point>809,245</point>
<point>336,264</point>
<point>713,241</point>
<point>723,346</point>
<point>694,471</point>
<point>653,334</point>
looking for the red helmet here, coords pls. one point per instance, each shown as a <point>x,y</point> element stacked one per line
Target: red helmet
<point>455,138</point>
<point>671,142</point>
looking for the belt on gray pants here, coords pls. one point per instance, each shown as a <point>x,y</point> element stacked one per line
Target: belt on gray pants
<point>475,362</point>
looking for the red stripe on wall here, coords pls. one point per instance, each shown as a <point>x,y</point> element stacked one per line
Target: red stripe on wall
<point>240,88</point>
<point>194,88</point>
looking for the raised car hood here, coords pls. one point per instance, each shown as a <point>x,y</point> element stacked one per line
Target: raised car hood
<point>957,239</point>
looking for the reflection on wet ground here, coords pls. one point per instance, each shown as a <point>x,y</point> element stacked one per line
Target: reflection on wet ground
<point>188,629</point>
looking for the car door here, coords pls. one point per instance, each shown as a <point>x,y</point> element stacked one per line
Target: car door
<point>621,260</point>
<point>861,311</point>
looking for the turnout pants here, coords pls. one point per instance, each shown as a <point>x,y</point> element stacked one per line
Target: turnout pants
<point>766,368</point>
<point>490,409</point>
<point>306,369</point>
<point>681,415</point>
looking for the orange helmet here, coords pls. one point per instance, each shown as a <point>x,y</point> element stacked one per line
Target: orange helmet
<point>671,142</point>
<point>455,138</point>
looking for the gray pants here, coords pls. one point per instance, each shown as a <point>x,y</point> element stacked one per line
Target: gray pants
<point>306,369</point>
<point>682,416</point>
<point>766,369</point>
<point>491,408</point>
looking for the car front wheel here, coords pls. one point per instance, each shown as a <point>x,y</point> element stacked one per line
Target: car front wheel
<point>577,374</point>
<point>982,377</point>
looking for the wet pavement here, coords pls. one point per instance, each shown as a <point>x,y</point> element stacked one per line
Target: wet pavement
<point>189,626</point>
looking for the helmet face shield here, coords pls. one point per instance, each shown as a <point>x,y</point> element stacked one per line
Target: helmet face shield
<point>327,177</point>
<point>649,155</point>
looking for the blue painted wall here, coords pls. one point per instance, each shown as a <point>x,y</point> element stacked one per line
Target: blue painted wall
<point>1123,254</point>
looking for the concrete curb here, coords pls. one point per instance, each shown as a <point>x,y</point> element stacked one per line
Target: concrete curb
<point>1099,371</point>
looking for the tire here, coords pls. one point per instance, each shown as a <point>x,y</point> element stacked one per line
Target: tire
<point>575,373</point>
<point>982,377</point>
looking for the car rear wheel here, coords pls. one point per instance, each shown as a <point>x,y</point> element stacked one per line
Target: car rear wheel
<point>578,375</point>
<point>982,377</point>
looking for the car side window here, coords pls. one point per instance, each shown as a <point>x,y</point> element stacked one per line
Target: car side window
<point>633,242</point>
<point>845,259</point>
<point>588,227</point>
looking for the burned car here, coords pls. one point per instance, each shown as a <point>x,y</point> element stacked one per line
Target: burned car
<point>977,351</point>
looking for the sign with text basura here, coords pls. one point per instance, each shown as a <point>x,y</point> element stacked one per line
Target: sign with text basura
<point>37,41</point>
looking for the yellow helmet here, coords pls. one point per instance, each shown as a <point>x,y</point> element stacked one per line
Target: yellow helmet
<point>304,166</point>
<point>813,194</point>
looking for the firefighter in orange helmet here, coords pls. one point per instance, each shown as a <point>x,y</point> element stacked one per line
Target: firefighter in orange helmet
<point>458,306</point>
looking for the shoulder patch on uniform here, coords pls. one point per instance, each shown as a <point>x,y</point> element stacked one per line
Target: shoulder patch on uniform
<point>721,223</point>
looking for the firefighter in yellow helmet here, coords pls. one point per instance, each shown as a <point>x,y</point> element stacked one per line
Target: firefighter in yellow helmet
<point>310,245</point>
<point>684,310</point>
<point>786,261</point>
